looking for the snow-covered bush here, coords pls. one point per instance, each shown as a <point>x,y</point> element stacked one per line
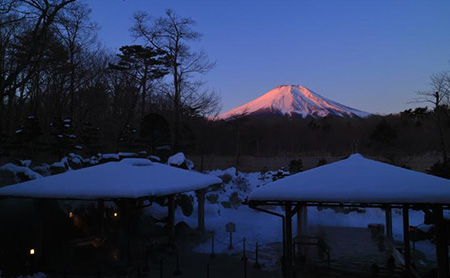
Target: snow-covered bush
<point>212,198</point>
<point>235,201</point>
<point>242,183</point>
<point>11,173</point>
<point>186,204</point>
<point>263,173</point>
<point>279,174</point>
<point>179,160</point>
<point>226,178</point>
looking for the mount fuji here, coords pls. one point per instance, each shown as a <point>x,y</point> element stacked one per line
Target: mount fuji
<point>293,100</point>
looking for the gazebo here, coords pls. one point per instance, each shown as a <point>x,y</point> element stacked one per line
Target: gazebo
<point>125,182</point>
<point>359,182</point>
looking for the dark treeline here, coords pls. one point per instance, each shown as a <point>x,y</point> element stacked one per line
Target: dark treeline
<point>410,133</point>
<point>62,92</point>
<point>407,133</point>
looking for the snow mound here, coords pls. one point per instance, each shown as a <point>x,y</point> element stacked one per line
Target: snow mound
<point>179,159</point>
<point>137,162</point>
<point>176,159</point>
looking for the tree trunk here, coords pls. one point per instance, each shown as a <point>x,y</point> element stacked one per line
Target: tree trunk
<point>437,110</point>
<point>144,91</point>
<point>176,111</point>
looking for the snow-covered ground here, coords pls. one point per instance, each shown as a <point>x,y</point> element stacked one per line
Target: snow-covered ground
<point>265,229</point>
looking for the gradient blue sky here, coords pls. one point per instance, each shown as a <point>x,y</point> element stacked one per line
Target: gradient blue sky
<point>370,55</point>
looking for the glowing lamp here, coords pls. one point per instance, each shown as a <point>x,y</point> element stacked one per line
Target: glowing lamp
<point>115,214</point>
<point>31,251</point>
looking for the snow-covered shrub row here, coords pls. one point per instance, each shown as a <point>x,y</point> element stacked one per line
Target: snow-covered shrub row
<point>35,275</point>
<point>235,188</point>
<point>11,173</point>
<point>24,170</point>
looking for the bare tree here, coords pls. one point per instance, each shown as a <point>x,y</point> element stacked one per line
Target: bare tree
<point>25,31</point>
<point>172,34</point>
<point>42,14</point>
<point>77,33</point>
<point>439,97</point>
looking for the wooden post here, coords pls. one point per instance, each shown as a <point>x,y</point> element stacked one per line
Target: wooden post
<point>389,222</point>
<point>38,231</point>
<point>304,220</point>
<point>201,209</point>
<point>302,215</point>
<point>299,229</point>
<point>171,219</point>
<point>125,207</point>
<point>101,213</point>
<point>441,242</point>
<point>288,247</point>
<point>407,249</point>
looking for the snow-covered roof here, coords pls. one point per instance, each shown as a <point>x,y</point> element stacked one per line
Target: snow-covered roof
<point>129,178</point>
<point>357,180</point>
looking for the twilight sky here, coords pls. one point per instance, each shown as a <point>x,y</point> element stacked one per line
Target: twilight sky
<point>370,55</point>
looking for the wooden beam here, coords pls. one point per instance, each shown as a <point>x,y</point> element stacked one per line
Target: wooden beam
<point>406,246</point>
<point>441,242</point>
<point>288,241</point>
<point>201,209</point>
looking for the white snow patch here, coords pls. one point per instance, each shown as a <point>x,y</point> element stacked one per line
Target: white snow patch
<point>110,156</point>
<point>176,159</point>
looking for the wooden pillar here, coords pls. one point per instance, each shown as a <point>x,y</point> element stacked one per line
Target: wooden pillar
<point>389,222</point>
<point>406,248</point>
<point>304,220</point>
<point>201,209</point>
<point>101,218</point>
<point>288,248</point>
<point>299,220</point>
<point>38,232</point>
<point>125,207</point>
<point>302,223</point>
<point>441,242</point>
<point>171,220</point>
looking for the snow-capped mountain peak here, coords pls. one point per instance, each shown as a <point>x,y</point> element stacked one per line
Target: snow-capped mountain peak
<point>294,100</point>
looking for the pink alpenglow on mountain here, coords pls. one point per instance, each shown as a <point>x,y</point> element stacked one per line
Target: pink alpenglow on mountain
<point>294,100</point>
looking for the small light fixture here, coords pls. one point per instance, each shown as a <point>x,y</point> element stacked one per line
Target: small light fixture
<point>70,214</point>
<point>115,214</point>
<point>31,251</point>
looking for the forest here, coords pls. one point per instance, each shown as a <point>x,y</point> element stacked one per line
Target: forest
<point>62,92</point>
